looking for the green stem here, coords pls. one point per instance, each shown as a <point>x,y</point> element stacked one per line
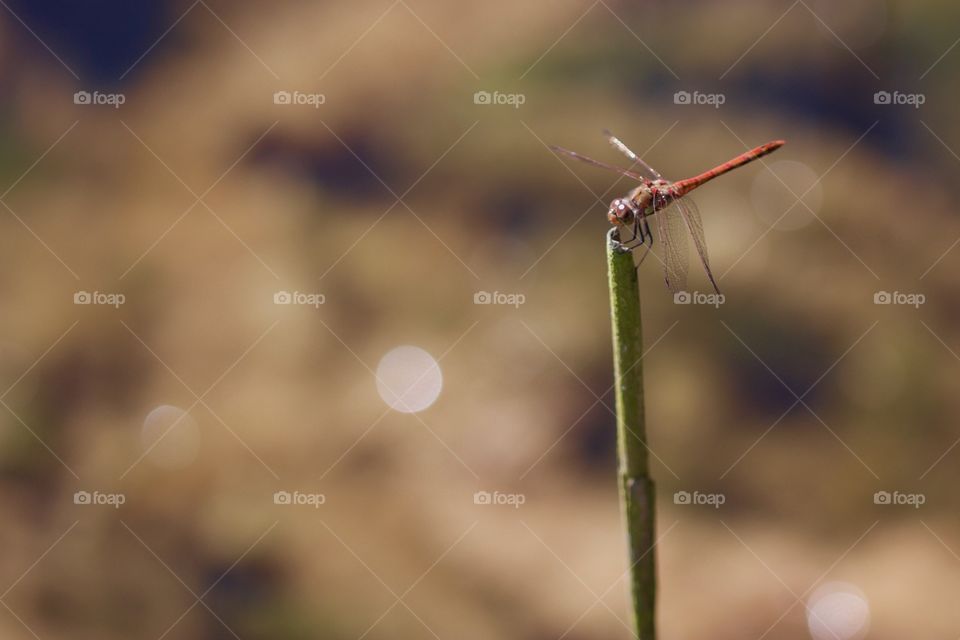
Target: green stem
<point>637,493</point>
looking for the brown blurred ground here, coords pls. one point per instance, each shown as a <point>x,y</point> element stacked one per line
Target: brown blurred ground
<point>298,201</point>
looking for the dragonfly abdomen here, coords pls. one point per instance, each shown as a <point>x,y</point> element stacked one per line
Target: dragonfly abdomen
<point>685,186</point>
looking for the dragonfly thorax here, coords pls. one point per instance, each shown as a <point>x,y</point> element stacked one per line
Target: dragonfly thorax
<point>649,197</point>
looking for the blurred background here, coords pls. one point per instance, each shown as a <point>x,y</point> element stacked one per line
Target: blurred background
<point>306,330</point>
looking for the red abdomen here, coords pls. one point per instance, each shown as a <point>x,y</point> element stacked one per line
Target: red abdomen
<point>684,186</point>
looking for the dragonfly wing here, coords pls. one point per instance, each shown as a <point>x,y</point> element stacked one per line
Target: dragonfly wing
<point>617,144</point>
<point>673,240</point>
<point>603,165</point>
<point>694,224</point>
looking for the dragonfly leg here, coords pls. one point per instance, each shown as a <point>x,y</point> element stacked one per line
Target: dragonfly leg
<point>646,227</point>
<point>643,227</point>
<point>639,230</point>
<point>618,245</point>
<point>643,256</point>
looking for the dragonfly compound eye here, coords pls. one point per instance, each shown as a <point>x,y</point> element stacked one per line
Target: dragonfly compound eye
<point>619,212</point>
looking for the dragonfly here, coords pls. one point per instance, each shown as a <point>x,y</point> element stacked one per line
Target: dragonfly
<point>676,214</point>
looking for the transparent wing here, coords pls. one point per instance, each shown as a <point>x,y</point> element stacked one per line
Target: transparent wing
<point>673,243</point>
<point>649,171</point>
<point>597,163</point>
<point>691,219</point>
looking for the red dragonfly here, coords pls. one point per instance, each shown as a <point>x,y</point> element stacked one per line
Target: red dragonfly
<point>678,214</point>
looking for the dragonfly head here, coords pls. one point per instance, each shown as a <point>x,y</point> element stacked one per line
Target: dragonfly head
<point>620,212</point>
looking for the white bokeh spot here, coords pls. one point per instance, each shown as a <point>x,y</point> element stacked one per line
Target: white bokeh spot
<point>838,611</point>
<point>170,437</point>
<point>409,379</point>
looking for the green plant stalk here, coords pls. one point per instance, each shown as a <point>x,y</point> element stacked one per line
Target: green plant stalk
<point>637,493</point>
